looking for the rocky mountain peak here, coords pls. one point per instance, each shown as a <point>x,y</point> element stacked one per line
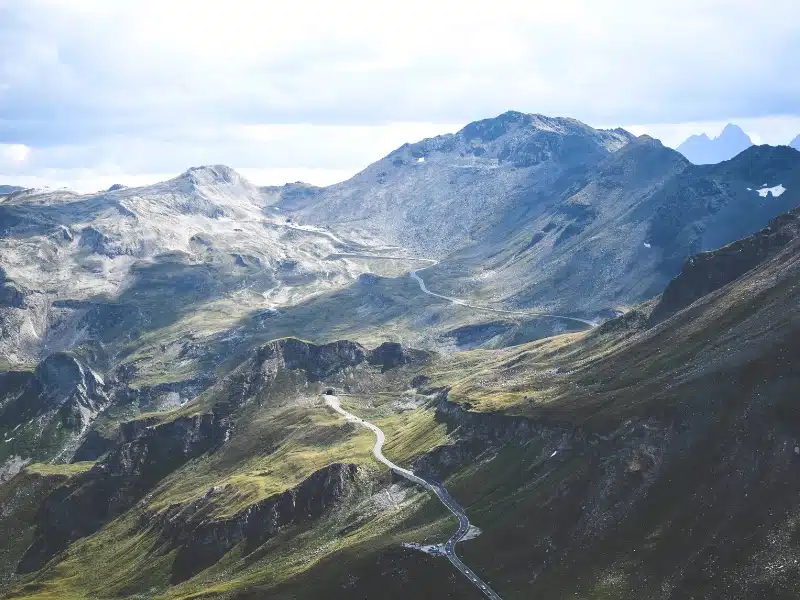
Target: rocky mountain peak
<point>734,132</point>
<point>701,149</point>
<point>518,124</point>
<point>212,174</point>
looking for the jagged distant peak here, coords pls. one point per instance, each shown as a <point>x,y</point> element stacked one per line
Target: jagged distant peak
<point>116,187</point>
<point>734,131</point>
<point>702,149</point>
<point>795,143</point>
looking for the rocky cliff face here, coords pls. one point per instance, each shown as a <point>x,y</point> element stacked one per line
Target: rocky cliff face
<point>709,271</point>
<point>45,413</point>
<point>146,452</point>
<point>201,540</point>
<point>292,362</point>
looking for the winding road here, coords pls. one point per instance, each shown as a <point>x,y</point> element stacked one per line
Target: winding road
<point>424,288</point>
<point>415,275</point>
<point>441,493</point>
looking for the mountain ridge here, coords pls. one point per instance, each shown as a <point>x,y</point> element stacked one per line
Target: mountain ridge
<point>500,207</point>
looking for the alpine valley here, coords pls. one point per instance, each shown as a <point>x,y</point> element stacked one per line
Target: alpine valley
<point>530,359</point>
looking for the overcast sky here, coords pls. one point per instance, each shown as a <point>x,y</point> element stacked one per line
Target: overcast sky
<point>102,91</point>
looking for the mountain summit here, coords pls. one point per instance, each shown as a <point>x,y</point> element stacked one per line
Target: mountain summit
<point>702,150</point>
<point>440,193</point>
<point>795,143</point>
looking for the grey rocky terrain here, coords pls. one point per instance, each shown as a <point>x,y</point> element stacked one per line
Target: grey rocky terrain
<point>552,214</point>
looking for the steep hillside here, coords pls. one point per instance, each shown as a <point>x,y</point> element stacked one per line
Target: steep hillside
<point>675,468</point>
<point>709,271</point>
<point>621,238</point>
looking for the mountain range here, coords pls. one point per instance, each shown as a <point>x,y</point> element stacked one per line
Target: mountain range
<point>516,223</point>
<point>584,341</point>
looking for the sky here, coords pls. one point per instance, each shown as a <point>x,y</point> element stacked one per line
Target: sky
<point>95,92</point>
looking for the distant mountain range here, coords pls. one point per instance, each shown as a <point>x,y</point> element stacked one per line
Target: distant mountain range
<point>703,150</point>
<point>795,143</point>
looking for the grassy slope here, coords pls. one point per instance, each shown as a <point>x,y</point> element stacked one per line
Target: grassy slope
<point>369,312</point>
<point>600,378</point>
<point>273,448</point>
<point>525,502</point>
<point>668,533</point>
<point>717,522</point>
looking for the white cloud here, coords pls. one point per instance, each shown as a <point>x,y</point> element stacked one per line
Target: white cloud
<point>13,155</point>
<point>141,87</point>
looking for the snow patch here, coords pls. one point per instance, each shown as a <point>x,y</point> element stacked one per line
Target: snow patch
<point>554,453</point>
<point>421,159</point>
<point>775,191</point>
<point>646,245</point>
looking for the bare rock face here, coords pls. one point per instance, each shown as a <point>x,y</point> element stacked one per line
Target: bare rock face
<point>64,379</point>
<point>11,294</point>
<point>46,412</point>
<point>391,354</point>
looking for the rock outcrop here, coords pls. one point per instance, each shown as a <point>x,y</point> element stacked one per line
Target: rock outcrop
<point>146,452</point>
<point>709,271</point>
<point>45,412</point>
<point>201,540</point>
<point>391,354</point>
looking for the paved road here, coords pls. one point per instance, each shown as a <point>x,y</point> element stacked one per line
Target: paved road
<point>438,489</point>
<point>415,275</point>
<point>424,288</point>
